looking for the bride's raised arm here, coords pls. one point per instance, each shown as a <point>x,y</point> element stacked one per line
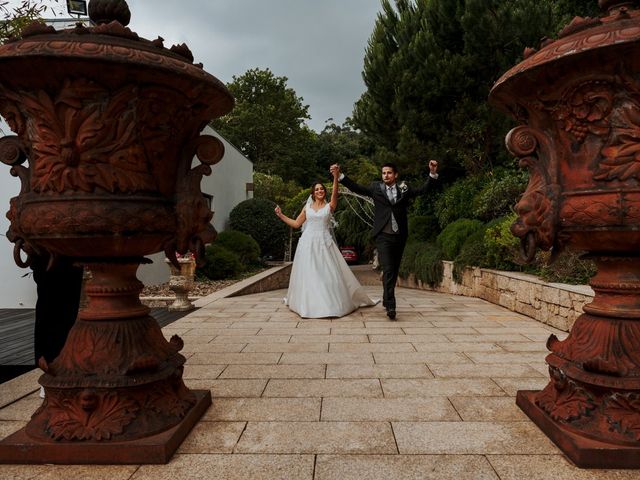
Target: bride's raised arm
<point>334,190</point>
<point>297,223</point>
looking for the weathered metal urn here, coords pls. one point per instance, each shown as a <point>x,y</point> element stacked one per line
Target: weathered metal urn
<point>578,102</point>
<point>110,124</point>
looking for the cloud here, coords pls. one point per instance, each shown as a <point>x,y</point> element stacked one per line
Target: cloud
<point>317,44</point>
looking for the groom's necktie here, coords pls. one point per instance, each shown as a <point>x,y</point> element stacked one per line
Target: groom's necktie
<point>391,195</point>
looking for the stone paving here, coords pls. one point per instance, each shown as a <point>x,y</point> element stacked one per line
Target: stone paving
<point>430,396</point>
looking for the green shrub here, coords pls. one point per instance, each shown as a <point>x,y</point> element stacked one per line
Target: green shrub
<point>241,244</point>
<point>502,248</point>
<point>424,260</point>
<point>220,263</point>
<point>423,228</point>
<point>408,263</point>
<point>456,201</point>
<point>454,235</point>
<point>351,229</point>
<point>472,254</point>
<point>256,217</point>
<point>428,265</point>
<point>499,195</point>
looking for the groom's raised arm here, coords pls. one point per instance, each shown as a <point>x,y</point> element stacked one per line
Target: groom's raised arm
<point>432,181</point>
<point>350,184</point>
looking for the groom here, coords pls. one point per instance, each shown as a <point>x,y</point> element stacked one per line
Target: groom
<point>390,226</point>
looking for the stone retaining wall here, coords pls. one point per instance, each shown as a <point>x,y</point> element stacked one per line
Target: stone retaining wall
<point>275,279</point>
<point>555,304</point>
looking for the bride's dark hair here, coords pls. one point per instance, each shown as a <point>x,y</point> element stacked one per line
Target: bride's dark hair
<point>313,187</point>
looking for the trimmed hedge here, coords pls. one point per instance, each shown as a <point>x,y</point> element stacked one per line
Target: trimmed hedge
<point>256,217</point>
<point>424,260</point>
<point>454,235</point>
<point>241,244</point>
<point>220,263</point>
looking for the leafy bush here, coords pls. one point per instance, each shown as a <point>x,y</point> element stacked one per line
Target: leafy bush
<point>502,248</point>
<point>568,267</point>
<point>220,263</point>
<point>499,195</point>
<point>243,245</point>
<point>424,260</point>
<point>351,229</point>
<point>428,265</point>
<point>423,228</point>
<point>472,254</point>
<point>456,200</point>
<point>255,217</point>
<point>408,263</point>
<point>455,235</point>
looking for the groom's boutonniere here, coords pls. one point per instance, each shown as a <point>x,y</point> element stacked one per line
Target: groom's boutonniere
<point>403,187</point>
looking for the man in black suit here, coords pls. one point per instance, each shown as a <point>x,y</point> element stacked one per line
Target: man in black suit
<point>390,226</point>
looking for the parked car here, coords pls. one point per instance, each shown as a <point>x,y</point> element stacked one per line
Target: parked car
<point>350,254</point>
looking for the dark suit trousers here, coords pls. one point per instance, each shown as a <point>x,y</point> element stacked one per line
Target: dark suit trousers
<point>390,248</point>
<point>57,305</point>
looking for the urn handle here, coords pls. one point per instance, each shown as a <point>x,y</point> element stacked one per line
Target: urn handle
<point>193,212</point>
<point>14,153</point>
<point>538,206</point>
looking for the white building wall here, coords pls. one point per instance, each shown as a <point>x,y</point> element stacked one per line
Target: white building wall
<point>18,288</point>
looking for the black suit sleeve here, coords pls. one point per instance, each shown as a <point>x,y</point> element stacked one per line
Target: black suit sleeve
<point>355,187</point>
<point>428,185</point>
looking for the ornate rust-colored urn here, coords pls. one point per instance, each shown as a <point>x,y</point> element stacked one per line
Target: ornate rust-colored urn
<point>578,102</point>
<point>110,124</point>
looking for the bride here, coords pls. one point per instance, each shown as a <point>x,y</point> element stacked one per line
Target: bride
<point>321,283</point>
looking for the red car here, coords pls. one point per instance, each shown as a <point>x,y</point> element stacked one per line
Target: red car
<point>350,254</point>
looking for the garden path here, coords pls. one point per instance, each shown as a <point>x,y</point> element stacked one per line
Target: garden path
<point>430,396</point>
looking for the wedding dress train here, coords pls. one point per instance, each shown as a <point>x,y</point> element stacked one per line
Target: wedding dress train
<point>321,283</point>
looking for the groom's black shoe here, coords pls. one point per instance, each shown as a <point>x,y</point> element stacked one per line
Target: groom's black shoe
<point>391,314</point>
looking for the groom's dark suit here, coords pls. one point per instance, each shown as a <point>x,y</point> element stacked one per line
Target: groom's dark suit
<point>390,243</point>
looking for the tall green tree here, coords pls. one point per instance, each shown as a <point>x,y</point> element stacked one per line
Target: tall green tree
<point>268,125</point>
<point>429,66</point>
<point>343,145</point>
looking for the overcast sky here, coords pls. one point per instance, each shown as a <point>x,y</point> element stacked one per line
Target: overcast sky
<point>317,44</point>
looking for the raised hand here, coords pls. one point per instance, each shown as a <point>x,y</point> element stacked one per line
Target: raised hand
<point>278,211</point>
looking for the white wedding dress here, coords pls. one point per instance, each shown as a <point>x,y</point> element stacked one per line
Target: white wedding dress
<point>321,283</point>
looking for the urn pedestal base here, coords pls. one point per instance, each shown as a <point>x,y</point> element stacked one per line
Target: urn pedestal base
<point>114,394</point>
<point>582,451</point>
<point>19,448</point>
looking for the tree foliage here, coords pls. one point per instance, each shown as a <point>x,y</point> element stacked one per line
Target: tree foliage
<point>273,187</point>
<point>429,67</point>
<point>267,125</point>
<point>14,19</point>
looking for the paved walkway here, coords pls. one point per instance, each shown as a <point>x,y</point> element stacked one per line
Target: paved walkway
<point>430,396</point>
